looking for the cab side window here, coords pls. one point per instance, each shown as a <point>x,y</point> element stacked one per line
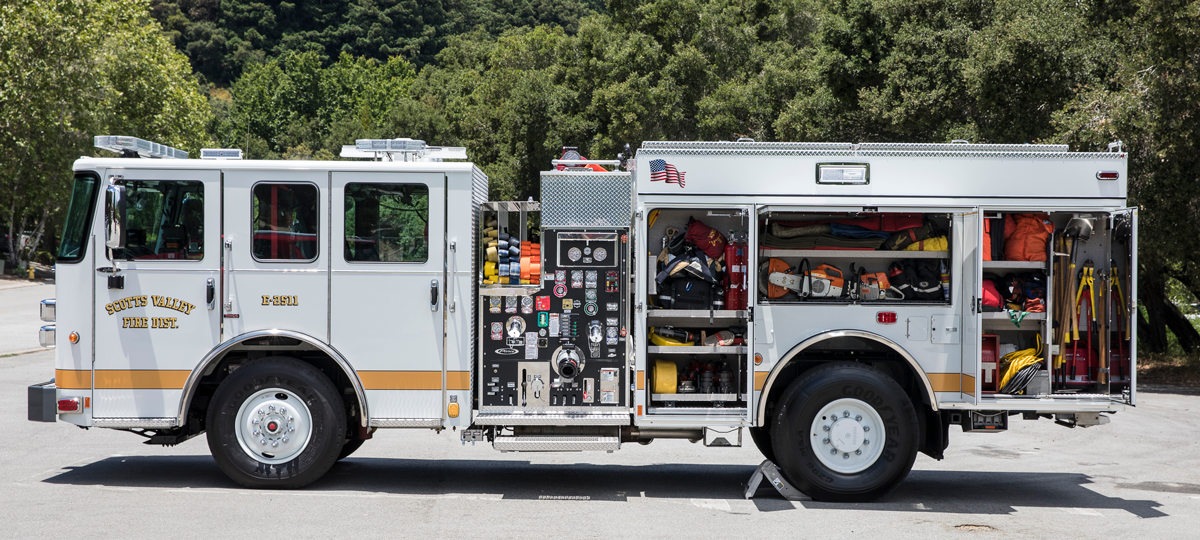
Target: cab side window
<point>387,222</point>
<point>166,221</point>
<point>285,222</point>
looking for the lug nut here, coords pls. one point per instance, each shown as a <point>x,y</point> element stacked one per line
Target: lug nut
<point>271,408</point>
<point>291,430</point>
<point>825,440</point>
<point>845,456</point>
<point>264,441</point>
<point>866,428</point>
<point>858,452</point>
<point>260,412</point>
<point>274,443</point>
<point>858,417</point>
<point>255,432</point>
<point>866,442</point>
<point>283,410</point>
<point>846,414</point>
<point>285,439</point>
<point>833,451</point>
<point>826,428</point>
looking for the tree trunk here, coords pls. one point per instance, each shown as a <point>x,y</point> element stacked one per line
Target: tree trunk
<point>36,240</point>
<point>1152,331</point>
<point>12,221</point>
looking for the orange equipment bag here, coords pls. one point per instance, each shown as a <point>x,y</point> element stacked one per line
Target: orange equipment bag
<point>1025,236</point>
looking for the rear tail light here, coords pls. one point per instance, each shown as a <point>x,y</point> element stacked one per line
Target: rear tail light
<point>885,317</point>
<point>70,405</point>
<point>1107,175</point>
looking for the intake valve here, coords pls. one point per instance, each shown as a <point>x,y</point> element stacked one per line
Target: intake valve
<point>568,364</point>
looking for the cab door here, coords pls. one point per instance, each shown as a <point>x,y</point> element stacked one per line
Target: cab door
<point>152,329</point>
<point>277,252</point>
<point>389,287</point>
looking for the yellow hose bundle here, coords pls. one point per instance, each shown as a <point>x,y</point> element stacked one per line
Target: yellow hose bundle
<point>1015,361</point>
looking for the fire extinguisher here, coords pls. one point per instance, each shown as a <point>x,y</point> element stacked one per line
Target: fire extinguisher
<point>735,273</point>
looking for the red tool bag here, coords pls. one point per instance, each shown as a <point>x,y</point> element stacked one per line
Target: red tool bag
<point>708,239</point>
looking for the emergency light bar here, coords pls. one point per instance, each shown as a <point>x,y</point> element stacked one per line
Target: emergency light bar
<point>133,146</point>
<point>220,153</point>
<point>403,149</point>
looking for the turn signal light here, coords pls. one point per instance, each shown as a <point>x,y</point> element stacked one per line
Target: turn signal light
<point>885,317</point>
<point>452,410</point>
<point>69,405</point>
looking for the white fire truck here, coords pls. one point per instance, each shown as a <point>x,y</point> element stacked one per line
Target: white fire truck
<point>843,305</point>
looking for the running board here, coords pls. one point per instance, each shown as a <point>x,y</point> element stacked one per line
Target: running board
<point>556,443</point>
<point>775,478</point>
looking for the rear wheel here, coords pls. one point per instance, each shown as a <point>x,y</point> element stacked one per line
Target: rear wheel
<point>762,439</point>
<point>845,432</point>
<point>276,422</point>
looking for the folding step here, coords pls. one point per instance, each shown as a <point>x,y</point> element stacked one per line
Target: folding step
<point>556,443</point>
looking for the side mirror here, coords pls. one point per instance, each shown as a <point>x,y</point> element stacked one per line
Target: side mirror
<point>114,217</point>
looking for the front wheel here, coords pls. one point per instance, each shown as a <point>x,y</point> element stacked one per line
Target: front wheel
<point>845,432</point>
<point>276,422</point>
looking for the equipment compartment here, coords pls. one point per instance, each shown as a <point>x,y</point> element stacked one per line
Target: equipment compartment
<point>697,323</point>
<point>1065,319</point>
<point>854,257</point>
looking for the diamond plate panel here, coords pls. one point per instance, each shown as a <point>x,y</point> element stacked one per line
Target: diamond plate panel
<point>580,199</point>
<point>551,443</point>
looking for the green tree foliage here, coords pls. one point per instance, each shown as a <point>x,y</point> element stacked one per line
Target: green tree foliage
<point>73,69</point>
<point>294,107</point>
<point>222,38</point>
<point>1151,101</point>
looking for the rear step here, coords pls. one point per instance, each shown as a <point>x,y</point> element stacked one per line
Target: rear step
<point>556,443</point>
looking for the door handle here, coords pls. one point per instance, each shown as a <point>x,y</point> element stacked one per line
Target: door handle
<point>211,294</point>
<point>433,295</point>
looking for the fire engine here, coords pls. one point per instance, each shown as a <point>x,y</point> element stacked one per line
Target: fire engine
<point>840,305</point>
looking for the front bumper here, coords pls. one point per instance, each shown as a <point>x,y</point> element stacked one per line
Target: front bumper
<point>43,402</point>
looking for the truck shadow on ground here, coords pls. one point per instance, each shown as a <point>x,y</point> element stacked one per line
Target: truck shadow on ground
<point>960,492</point>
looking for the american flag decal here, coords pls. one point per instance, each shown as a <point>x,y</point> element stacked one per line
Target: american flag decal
<point>661,171</point>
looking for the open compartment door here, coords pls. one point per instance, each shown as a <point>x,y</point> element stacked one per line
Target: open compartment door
<point>966,295</point>
<point>1122,296</point>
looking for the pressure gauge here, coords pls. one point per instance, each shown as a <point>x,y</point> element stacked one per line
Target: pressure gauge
<point>574,254</point>
<point>600,254</point>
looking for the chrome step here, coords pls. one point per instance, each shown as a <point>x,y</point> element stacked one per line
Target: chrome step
<point>556,443</point>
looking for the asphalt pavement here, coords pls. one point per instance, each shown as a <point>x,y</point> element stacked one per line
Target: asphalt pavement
<point>1137,477</point>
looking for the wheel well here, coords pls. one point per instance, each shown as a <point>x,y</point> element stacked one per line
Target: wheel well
<point>249,349</point>
<point>866,350</point>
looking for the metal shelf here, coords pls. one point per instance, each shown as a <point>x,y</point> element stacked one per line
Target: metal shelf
<point>1014,265</point>
<point>695,349</point>
<point>694,317</point>
<point>695,397</point>
<point>1003,316</point>
<point>854,254</point>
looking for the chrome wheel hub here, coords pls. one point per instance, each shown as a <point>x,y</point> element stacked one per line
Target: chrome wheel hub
<point>273,426</point>
<point>847,435</point>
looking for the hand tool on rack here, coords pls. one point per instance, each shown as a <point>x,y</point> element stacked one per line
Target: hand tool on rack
<point>1102,371</point>
<point>1061,321</point>
<point>1077,229</point>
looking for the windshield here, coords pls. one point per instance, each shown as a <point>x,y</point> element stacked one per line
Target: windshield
<point>78,225</point>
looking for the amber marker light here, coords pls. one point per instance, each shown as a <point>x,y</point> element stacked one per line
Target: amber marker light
<point>74,337</point>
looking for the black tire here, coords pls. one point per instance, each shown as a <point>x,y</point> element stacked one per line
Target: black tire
<point>349,448</point>
<point>794,445</point>
<point>762,439</point>
<point>324,406</point>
